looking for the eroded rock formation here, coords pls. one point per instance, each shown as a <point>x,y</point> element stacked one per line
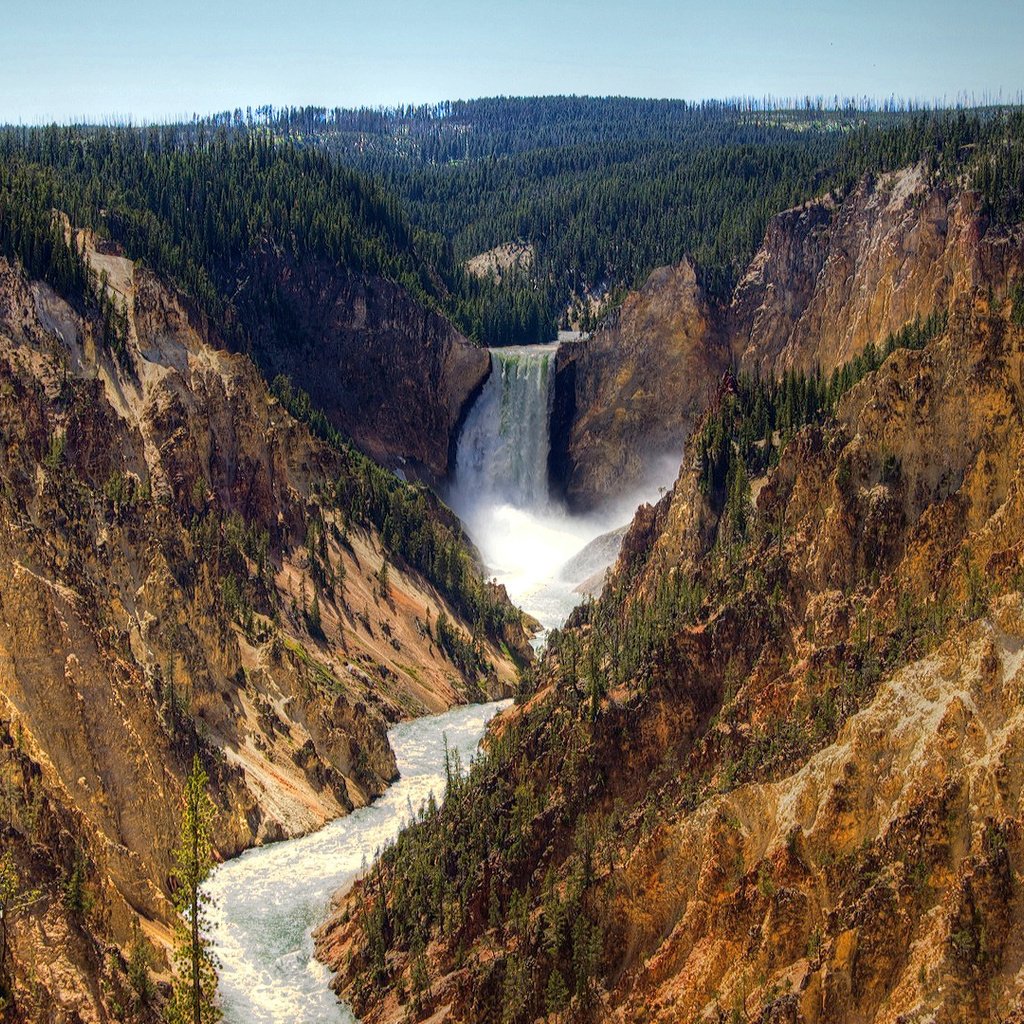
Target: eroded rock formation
<point>183,568</point>
<point>830,277</point>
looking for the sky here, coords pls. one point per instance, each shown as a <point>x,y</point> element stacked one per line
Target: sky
<point>71,60</point>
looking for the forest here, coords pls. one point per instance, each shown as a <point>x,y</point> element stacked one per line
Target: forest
<point>604,190</point>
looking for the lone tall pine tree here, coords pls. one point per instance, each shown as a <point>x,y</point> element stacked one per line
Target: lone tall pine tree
<point>194,1000</point>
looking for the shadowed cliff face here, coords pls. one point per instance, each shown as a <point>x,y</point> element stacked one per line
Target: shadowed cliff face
<point>180,572</point>
<point>626,399</point>
<point>830,277</point>
<point>389,373</point>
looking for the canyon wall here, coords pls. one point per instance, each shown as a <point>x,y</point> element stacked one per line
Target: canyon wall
<point>389,373</point>
<point>773,773</point>
<point>830,277</point>
<point>184,569</point>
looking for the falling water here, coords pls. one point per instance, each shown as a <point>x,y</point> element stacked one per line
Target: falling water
<point>503,449</point>
<point>501,487</point>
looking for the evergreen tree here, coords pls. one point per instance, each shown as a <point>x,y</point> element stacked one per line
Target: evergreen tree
<point>194,998</point>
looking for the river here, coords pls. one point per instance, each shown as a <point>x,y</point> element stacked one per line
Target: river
<point>268,900</point>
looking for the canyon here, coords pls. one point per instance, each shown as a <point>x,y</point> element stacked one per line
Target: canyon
<point>186,568</point>
<point>830,276</point>
<point>268,507</point>
<point>772,772</point>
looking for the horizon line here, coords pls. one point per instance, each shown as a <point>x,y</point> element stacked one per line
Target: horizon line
<point>767,103</point>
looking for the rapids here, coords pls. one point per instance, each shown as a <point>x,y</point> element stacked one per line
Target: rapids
<point>268,900</point>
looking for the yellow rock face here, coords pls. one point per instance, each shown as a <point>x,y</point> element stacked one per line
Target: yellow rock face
<point>125,480</point>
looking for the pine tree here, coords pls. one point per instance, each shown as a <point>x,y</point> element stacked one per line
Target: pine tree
<point>194,999</point>
<point>557,993</point>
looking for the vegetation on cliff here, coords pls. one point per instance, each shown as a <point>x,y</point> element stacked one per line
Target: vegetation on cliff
<point>605,190</point>
<point>753,420</point>
<point>719,660</point>
<point>417,529</point>
<point>194,998</point>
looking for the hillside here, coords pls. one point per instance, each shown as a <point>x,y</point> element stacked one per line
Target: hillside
<point>607,189</point>
<point>311,269</point>
<point>831,277</point>
<point>772,774</point>
<point>186,569</point>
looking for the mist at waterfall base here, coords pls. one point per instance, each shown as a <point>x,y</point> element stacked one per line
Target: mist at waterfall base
<point>528,541</point>
<point>268,900</point>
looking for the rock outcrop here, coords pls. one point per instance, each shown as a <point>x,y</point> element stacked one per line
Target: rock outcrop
<point>833,276</point>
<point>183,568</point>
<point>830,277</point>
<point>626,399</point>
<point>389,373</point>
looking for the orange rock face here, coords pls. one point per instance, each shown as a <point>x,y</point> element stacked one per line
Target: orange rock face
<point>165,529</point>
<point>830,277</point>
<point>803,804</point>
<point>636,389</point>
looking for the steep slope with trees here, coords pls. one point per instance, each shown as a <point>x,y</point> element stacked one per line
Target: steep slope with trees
<point>188,570</point>
<point>831,277</point>
<point>310,268</point>
<point>773,772</point>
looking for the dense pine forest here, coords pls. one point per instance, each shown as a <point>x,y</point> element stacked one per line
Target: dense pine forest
<point>603,191</point>
<point>607,189</point>
<point>203,212</point>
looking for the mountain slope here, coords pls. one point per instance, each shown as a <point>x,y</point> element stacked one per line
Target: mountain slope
<point>185,568</point>
<point>830,278</point>
<point>311,269</point>
<point>772,774</point>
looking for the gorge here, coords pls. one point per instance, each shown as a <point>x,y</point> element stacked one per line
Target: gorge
<point>269,503</point>
<point>268,901</point>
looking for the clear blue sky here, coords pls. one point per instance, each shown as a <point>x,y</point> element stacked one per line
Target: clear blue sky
<point>62,59</point>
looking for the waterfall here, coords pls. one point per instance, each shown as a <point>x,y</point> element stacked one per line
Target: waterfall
<point>502,454</point>
<point>500,489</point>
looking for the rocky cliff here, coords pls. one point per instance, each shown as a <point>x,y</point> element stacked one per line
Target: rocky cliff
<point>389,373</point>
<point>830,277</point>
<point>184,568</point>
<point>833,276</point>
<point>773,773</point>
<point>625,399</point>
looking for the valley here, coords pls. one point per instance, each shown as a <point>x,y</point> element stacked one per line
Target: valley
<point>669,671</point>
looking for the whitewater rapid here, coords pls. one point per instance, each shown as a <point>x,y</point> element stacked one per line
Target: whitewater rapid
<point>269,900</point>
<point>526,538</point>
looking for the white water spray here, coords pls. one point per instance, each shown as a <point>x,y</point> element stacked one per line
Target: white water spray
<point>501,487</point>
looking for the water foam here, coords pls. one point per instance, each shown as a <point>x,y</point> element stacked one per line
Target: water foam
<point>501,490</point>
<point>269,899</point>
